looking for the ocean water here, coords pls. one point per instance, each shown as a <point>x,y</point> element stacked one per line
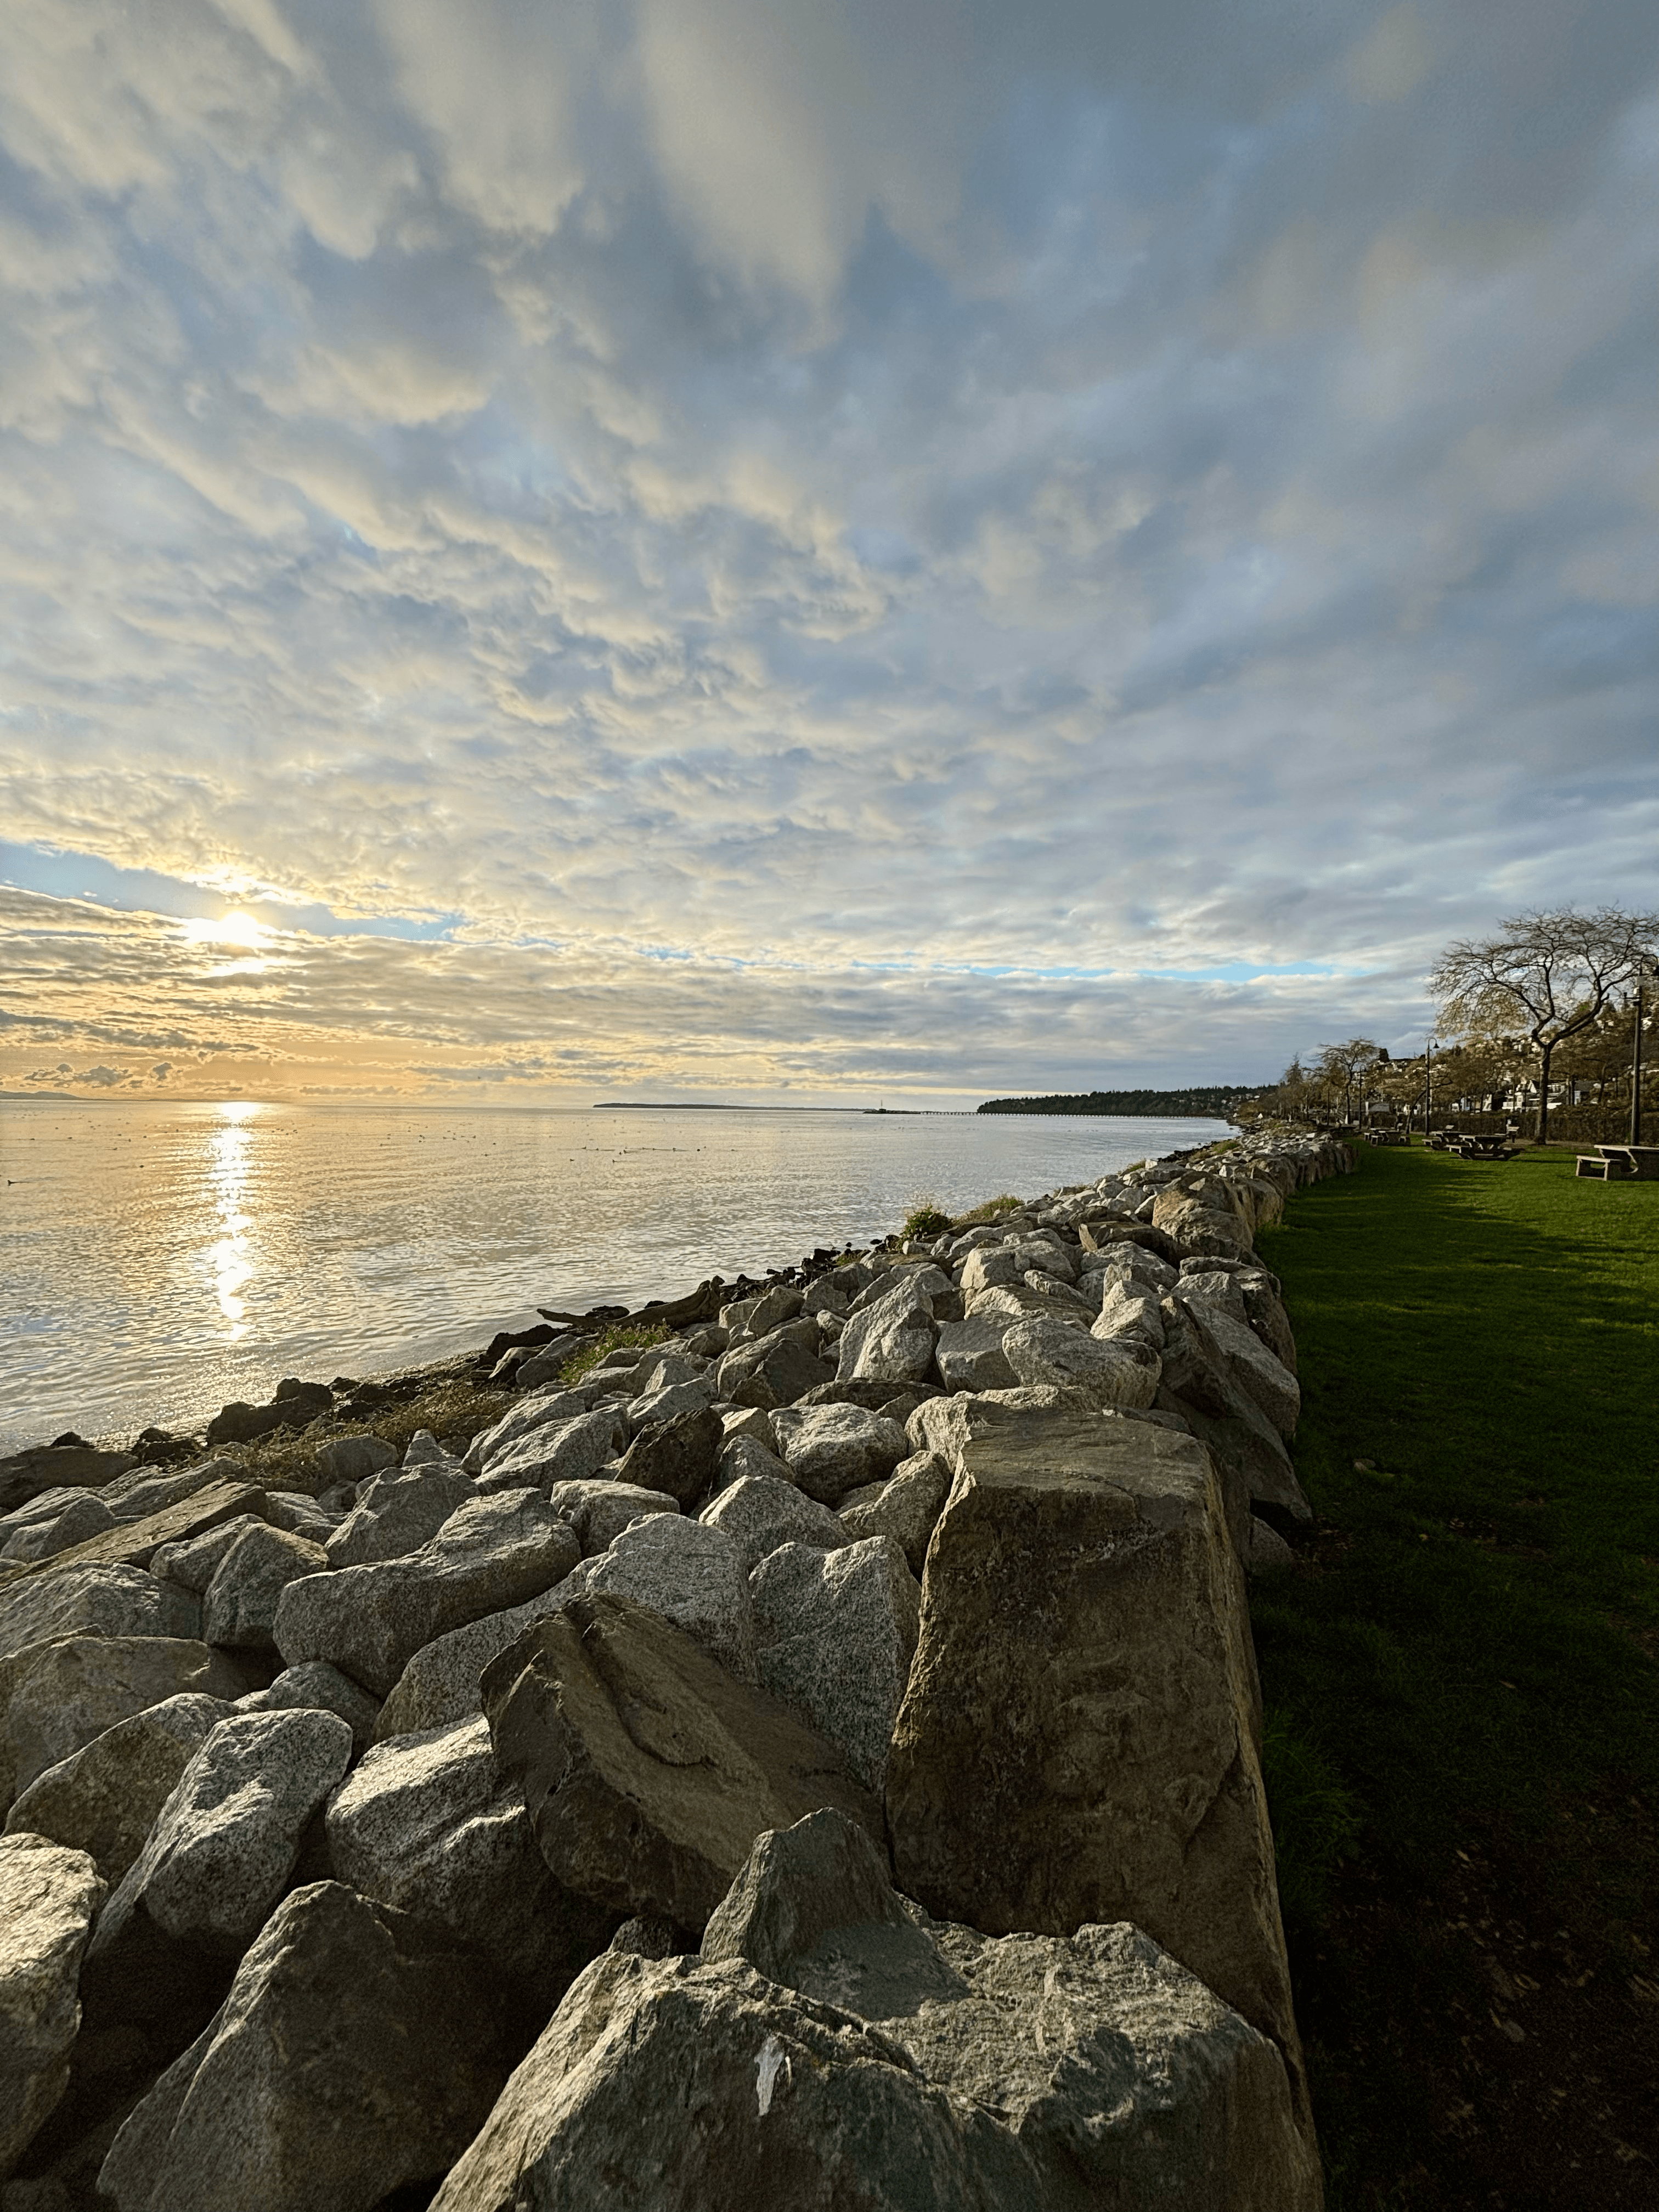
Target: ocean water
<point>158,1260</point>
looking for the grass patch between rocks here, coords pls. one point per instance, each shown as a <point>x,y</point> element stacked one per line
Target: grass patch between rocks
<point>1459,1678</point>
<point>453,1409</point>
<point>990,1210</point>
<point>620,1333</point>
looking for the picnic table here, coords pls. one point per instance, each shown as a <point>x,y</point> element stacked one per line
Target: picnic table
<point>1484,1148</point>
<point>1620,1164</point>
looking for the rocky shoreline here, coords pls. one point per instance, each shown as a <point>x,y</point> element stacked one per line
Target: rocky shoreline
<point>808,1758</point>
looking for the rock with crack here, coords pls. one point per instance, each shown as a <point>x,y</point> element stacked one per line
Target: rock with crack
<point>191,1562</point>
<point>1242,1440</point>
<point>838,1632</point>
<point>776,1370</point>
<point>48,1896</point>
<point>1233,1346</point>
<point>558,1451</point>
<point>892,1340</point>
<point>906,1506</point>
<point>358,2049</point>
<point>55,1697</point>
<point>1114,1371</point>
<point>315,1686</point>
<point>1079,1739</point>
<point>439,1684</point>
<point>968,1355</point>
<point>679,1454</point>
<point>81,1515</point>
<point>690,1573</point>
<point>647,1768</point>
<point>427,1823</point>
<point>759,1512</point>
<point>79,1600</point>
<point>104,1799</point>
<point>830,1449</point>
<point>493,1552</point>
<point>598,1510</point>
<point>397,1512</point>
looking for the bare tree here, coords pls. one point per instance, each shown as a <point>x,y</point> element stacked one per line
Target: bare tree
<point>1550,973</point>
<point>1347,1068</point>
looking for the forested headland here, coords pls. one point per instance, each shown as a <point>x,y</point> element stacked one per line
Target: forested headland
<point>1214,1099</point>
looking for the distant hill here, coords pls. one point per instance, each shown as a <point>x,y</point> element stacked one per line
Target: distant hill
<point>1209,1099</point>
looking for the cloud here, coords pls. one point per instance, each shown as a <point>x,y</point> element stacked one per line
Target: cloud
<point>891,509</point>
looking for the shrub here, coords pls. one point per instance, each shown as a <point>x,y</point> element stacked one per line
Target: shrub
<point>993,1209</point>
<point>925,1220</point>
<point>644,1334</point>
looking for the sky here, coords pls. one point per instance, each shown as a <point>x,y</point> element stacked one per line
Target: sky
<point>740,549</point>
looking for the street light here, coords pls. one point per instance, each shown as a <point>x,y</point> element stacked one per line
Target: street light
<point>1636,1062</point>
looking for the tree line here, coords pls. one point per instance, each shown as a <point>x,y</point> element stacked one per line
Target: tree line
<point>1213,1100</point>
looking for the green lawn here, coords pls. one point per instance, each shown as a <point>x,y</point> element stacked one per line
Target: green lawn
<point>1461,1681</point>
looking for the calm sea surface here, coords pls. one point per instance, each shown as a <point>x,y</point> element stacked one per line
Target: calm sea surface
<point>157,1259</point>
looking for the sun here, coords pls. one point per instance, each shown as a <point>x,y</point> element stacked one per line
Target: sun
<point>235,928</point>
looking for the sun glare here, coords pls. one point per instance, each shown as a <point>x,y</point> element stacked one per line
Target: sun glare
<point>236,928</point>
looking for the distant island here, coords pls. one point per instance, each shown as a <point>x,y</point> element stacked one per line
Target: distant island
<point>1210,1100</point>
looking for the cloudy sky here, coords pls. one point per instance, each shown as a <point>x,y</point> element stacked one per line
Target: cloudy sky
<point>742,547</point>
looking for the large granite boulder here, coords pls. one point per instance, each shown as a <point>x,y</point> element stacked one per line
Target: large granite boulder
<point>776,1369</point>
<point>1195,1227</point>
<point>239,1607</point>
<point>833,2047</point>
<point>759,1512</point>
<point>439,1684</point>
<point>690,1573</point>
<point>536,1409</point>
<point>647,1768</point>
<point>192,1560</point>
<point>906,1506</point>
<point>567,1451</point>
<point>830,1449</point>
<point>57,1695</point>
<point>104,1799</point>
<point>48,1897</point>
<point>359,2049</point>
<point>83,1514</point>
<point>838,1632</point>
<point>1245,1443</point>
<point>679,1454</point>
<point>1043,1348</point>
<point>315,1686</point>
<point>26,1474</point>
<point>57,1599</point>
<point>1079,1739</point>
<point>427,1823</point>
<point>892,1340</point>
<point>968,1355</point>
<point>1232,1346</point>
<point>397,1512</point>
<point>493,1552</point>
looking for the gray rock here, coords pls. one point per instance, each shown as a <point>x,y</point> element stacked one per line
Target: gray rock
<point>775,1369</point>
<point>1124,2079</point>
<point>396,1513</point>
<point>426,1824</point>
<point>238,1608</point>
<point>988,1265</point>
<point>1113,1371</point>
<point>424,1450</point>
<point>890,1339</point>
<point>300,1514</point>
<point>57,1695</point>
<point>678,1452</point>
<point>830,1449</point>
<point>1079,1739</point>
<point>1267,1549</point>
<point>83,1514</point>
<point>759,1513</point>
<point>227,1839</point>
<point>691,1574</point>
<point>439,1684</point>
<point>906,1507</point>
<point>104,1798</point>
<point>1214,1288</point>
<point>1055,1294</point>
<point>673,1401</point>
<point>598,1510</point>
<point>1246,1445</point>
<point>772,1308</point>
<point>81,1600</point>
<point>315,1686</point>
<point>968,1355</point>
<point>747,1455</point>
<point>357,2050</point>
<point>1134,1264</point>
<point>557,1451</point>
<point>536,1409</point>
<point>26,1475</point>
<point>747,1421</point>
<point>1235,1348</point>
<point>836,1632</point>
<point>48,1896</point>
<point>647,1768</point>
<point>191,1562</point>
<point>492,1553</point>
<point>1128,1309</point>
<point>353,1459</point>
<point>826,1295</point>
<point>144,1494</point>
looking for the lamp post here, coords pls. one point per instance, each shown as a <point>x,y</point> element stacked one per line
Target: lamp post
<point>1428,1085</point>
<point>1636,1065</point>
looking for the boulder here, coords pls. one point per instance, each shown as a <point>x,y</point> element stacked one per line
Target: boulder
<point>759,1513</point>
<point>1195,1227</point>
<point>691,1574</point>
<point>358,2050</point>
<point>890,1339</point>
<point>1266,1549</point>
<point>599,1509</point>
<point>439,1684</point>
<point>353,1459</point>
<point>57,1695</point>
<point>536,1409</point>
<point>1109,1234</point>
<point>679,1454</point>
<point>988,1265</point>
<point>301,1515</point>
<point>747,1421</point>
<point>1079,1739</point>
<point>836,1632</point>
<point>48,1896</point>
<point>905,1507</point>
<point>396,1513</point>
<point>775,1369</point>
<point>1055,1294</point>
<point>1234,1347</point>
<point>654,1409</point>
<point>647,1768</point>
<point>426,1824</point>
<point>1249,1449</point>
<point>968,1355</point>
<point>25,1474</point>
<point>772,1308</point>
<point>830,1449</point>
<point>83,1514</point>
<point>129,1545</point>
<point>1130,1309</point>
<point>494,1552</point>
<point>191,1562</point>
<point>315,1686</point>
<point>557,1451</point>
<point>104,1799</point>
<point>239,1607</point>
<point>1113,1372</point>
